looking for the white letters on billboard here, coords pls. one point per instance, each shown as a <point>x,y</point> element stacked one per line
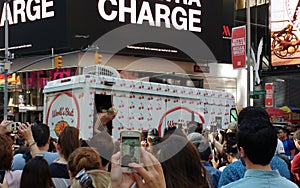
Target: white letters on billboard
<point>178,17</point>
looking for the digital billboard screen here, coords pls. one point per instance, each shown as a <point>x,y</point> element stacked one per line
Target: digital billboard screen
<point>163,28</point>
<point>285,32</point>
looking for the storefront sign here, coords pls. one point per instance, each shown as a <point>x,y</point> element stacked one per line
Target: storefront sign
<point>238,47</point>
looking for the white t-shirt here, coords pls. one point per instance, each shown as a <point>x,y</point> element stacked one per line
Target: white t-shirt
<point>279,148</point>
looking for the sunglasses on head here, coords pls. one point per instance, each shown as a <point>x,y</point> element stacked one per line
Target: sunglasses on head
<point>84,179</point>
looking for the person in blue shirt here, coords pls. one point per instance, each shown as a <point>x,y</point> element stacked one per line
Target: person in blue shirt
<point>236,170</point>
<point>288,144</point>
<point>41,135</point>
<point>257,141</point>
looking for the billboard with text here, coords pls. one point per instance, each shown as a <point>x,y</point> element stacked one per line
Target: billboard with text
<point>38,26</point>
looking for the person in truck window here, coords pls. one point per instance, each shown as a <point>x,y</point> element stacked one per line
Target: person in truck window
<point>104,121</point>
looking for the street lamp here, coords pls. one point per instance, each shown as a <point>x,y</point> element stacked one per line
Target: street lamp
<point>248,51</point>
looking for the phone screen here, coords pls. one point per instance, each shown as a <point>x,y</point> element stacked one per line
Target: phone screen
<point>130,150</point>
<point>13,127</point>
<point>2,174</point>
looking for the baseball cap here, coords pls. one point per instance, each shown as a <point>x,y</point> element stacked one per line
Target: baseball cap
<point>199,141</point>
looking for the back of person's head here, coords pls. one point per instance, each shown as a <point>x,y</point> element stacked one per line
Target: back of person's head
<point>194,126</point>
<point>36,173</point>
<point>52,143</point>
<point>252,112</point>
<point>258,138</point>
<point>202,145</point>
<point>6,153</point>
<point>92,178</point>
<point>182,168</point>
<point>231,147</point>
<point>169,130</point>
<point>41,134</point>
<point>104,145</point>
<point>84,158</point>
<point>68,141</point>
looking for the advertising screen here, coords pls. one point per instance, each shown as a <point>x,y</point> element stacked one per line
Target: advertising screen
<point>33,26</point>
<point>162,28</point>
<point>285,32</point>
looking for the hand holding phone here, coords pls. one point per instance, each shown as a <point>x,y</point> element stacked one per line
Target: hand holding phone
<point>130,149</point>
<point>3,126</point>
<point>152,177</point>
<point>13,127</point>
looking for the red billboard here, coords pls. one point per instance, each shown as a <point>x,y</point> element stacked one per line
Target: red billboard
<point>238,47</point>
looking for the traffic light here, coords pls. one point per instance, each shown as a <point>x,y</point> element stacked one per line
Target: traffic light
<point>58,61</point>
<point>98,58</point>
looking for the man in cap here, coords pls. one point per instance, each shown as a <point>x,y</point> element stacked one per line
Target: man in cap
<point>202,145</point>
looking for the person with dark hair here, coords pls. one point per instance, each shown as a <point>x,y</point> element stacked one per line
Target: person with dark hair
<point>68,141</point>
<point>41,135</point>
<point>288,144</point>
<point>104,145</point>
<point>205,152</point>
<point>253,112</point>
<point>36,173</point>
<point>257,141</point>
<point>182,167</point>
<point>236,170</point>
<point>295,168</point>
<point>12,178</point>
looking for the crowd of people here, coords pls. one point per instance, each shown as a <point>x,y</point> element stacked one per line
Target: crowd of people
<point>251,152</point>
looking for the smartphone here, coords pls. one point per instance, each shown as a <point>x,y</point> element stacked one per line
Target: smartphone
<point>130,149</point>
<point>13,127</point>
<point>2,174</point>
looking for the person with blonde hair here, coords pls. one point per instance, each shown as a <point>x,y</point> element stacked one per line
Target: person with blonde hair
<point>86,170</point>
<point>103,121</point>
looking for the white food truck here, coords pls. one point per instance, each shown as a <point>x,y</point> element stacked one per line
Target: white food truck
<point>73,101</point>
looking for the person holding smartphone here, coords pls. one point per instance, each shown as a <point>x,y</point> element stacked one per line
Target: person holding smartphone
<point>13,178</point>
<point>149,172</point>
